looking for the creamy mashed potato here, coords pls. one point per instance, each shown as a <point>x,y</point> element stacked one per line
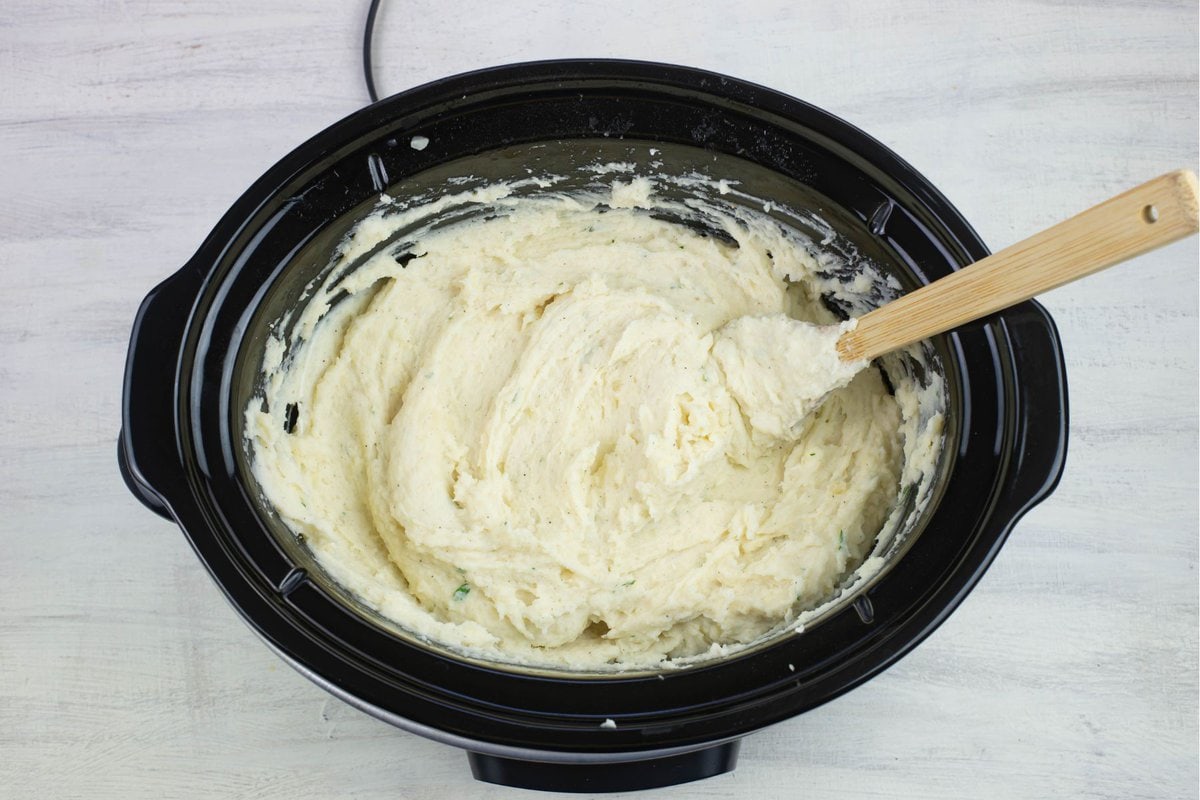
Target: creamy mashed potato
<point>524,436</point>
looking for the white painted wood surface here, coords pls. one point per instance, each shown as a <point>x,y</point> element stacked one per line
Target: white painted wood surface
<point>127,128</point>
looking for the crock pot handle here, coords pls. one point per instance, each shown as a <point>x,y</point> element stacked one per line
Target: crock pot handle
<point>147,451</point>
<point>1041,409</point>
<point>143,493</point>
<point>625,776</point>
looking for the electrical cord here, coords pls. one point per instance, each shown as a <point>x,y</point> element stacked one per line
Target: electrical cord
<point>368,35</point>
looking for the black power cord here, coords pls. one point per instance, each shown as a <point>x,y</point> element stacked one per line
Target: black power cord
<point>368,35</point>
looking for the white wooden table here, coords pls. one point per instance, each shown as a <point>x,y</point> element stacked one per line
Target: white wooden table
<point>127,128</point>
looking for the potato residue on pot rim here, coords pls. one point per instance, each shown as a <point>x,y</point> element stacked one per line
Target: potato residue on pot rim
<point>510,435</point>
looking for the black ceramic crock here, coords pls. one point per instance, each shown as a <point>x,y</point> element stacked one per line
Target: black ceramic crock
<point>180,448</point>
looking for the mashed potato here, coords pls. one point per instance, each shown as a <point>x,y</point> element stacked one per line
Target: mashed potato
<point>515,436</point>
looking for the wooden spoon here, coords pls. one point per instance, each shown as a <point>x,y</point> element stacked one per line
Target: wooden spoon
<point>1142,219</point>
<point>780,369</point>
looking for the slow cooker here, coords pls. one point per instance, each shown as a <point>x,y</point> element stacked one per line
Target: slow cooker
<point>198,336</point>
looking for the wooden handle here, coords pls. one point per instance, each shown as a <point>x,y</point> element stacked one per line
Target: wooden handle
<point>1154,214</point>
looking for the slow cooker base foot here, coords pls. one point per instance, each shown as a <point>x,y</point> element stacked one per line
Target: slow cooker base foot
<point>611,777</point>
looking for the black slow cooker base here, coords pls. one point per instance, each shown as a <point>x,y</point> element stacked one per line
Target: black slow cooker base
<point>181,440</point>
